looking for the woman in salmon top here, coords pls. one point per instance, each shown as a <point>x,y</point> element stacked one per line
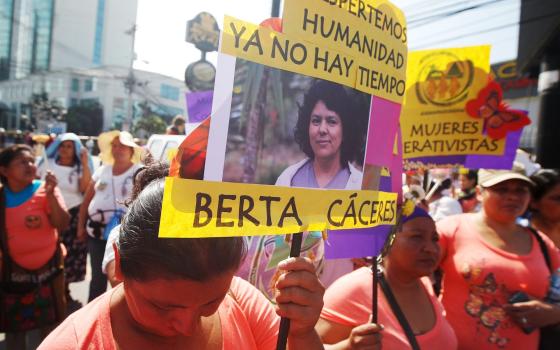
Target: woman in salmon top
<point>345,319</point>
<point>491,264</point>
<point>182,294</point>
<point>34,213</point>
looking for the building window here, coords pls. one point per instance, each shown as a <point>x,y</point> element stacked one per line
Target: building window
<point>43,12</point>
<point>88,85</point>
<point>5,38</point>
<point>75,85</point>
<point>99,24</point>
<point>73,102</point>
<point>169,92</point>
<point>167,110</point>
<point>89,102</point>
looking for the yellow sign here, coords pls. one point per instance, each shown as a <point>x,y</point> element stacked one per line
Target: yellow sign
<point>372,31</point>
<point>265,46</point>
<point>434,121</point>
<point>197,209</point>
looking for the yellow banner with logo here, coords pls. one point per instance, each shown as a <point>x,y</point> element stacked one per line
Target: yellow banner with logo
<point>202,209</point>
<point>439,84</point>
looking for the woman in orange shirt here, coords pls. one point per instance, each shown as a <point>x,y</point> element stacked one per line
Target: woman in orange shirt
<point>345,319</point>
<point>34,213</point>
<point>495,275</point>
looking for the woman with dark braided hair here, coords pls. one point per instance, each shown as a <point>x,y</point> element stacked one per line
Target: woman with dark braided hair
<point>345,321</point>
<point>31,259</point>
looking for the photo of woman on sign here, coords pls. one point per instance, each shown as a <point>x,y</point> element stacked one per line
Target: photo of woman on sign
<point>325,132</point>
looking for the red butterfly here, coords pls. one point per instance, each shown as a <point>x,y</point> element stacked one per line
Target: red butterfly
<point>498,118</point>
<point>191,156</point>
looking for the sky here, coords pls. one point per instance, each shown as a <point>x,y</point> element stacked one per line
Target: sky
<point>160,39</point>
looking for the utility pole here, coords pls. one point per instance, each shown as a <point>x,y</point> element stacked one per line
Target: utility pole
<point>130,83</point>
<point>275,10</point>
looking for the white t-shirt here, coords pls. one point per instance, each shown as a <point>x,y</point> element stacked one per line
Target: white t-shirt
<point>444,207</point>
<point>110,193</point>
<point>68,181</point>
<point>109,254</point>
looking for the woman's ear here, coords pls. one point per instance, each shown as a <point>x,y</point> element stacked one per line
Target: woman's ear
<point>479,190</point>
<point>534,205</point>
<point>118,272</point>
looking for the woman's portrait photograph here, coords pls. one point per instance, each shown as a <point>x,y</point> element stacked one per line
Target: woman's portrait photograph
<point>293,130</point>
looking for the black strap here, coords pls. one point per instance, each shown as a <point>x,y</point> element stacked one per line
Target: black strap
<point>398,312</point>
<point>544,249</point>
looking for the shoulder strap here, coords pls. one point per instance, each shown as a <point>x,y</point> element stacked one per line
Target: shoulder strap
<point>544,249</point>
<point>398,312</point>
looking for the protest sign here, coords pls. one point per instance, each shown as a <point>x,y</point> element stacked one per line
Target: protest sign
<point>212,209</point>
<point>266,46</point>
<point>199,105</point>
<point>288,80</point>
<point>445,119</point>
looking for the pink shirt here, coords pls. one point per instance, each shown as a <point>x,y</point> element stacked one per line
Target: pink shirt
<point>32,239</point>
<point>247,319</point>
<point>480,278</point>
<point>348,302</point>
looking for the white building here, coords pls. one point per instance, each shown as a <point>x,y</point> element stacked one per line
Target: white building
<point>105,85</point>
<point>42,35</point>
<point>77,51</point>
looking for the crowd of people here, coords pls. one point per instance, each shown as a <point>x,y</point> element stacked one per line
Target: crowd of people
<point>473,264</point>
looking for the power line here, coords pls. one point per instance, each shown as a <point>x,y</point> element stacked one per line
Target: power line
<point>431,11</point>
<point>477,22</point>
<point>488,30</point>
<point>439,16</point>
<point>422,5</point>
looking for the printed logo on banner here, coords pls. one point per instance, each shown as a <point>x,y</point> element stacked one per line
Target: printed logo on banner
<point>444,79</point>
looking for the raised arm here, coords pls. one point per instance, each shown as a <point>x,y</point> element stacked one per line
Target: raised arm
<point>58,216</point>
<point>85,179</point>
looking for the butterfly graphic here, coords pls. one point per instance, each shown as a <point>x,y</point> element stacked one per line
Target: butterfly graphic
<point>189,161</point>
<point>498,118</point>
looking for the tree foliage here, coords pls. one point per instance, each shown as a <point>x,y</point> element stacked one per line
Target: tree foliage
<point>85,119</point>
<point>42,109</point>
<point>150,124</point>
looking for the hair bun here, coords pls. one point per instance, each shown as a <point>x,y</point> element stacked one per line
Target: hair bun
<point>151,171</point>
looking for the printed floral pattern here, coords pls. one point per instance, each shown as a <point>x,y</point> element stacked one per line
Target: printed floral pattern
<point>484,303</point>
